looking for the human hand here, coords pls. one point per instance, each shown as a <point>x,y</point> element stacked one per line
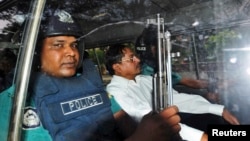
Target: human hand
<point>194,83</point>
<point>202,84</point>
<point>229,117</point>
<point>158,127</point>
<point>172,118</point>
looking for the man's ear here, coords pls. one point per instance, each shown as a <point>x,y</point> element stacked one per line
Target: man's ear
<point>116,68</point>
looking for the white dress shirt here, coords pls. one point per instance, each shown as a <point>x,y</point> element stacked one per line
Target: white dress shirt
<point>135,97</point>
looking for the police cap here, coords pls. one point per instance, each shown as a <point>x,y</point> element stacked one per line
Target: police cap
<point>60,23</point>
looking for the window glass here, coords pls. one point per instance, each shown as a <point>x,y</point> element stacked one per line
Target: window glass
<point>209,38</point>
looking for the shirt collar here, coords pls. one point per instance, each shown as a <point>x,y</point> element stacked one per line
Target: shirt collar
<point>124,81</point>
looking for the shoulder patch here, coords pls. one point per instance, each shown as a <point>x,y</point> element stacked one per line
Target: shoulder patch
<point>30,118</point>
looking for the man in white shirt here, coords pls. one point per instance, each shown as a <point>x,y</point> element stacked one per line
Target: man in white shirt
<point>133,92</point>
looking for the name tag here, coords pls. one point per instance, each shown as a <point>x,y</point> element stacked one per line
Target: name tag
<point>141,48</point>
<point>79,104</point>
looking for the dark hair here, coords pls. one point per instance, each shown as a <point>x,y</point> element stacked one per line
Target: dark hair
<point>7,60</point>
<point>114,54</point>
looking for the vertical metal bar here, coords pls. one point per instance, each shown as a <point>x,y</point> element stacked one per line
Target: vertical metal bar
<point>24,68</point>
<point>196,67</point>
<point>155,95</point>
<point>160,72</point>
<point>164,71</point>
<point>169,68</point>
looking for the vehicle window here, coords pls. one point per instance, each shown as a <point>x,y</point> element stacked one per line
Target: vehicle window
<point>209,39</point>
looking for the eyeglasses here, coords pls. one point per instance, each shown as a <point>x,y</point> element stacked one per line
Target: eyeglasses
<point>131,59</point>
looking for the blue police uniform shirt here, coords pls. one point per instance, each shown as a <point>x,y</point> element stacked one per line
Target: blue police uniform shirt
<point>32,128</point>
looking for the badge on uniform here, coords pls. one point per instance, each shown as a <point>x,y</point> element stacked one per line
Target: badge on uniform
<point>30,118</point>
